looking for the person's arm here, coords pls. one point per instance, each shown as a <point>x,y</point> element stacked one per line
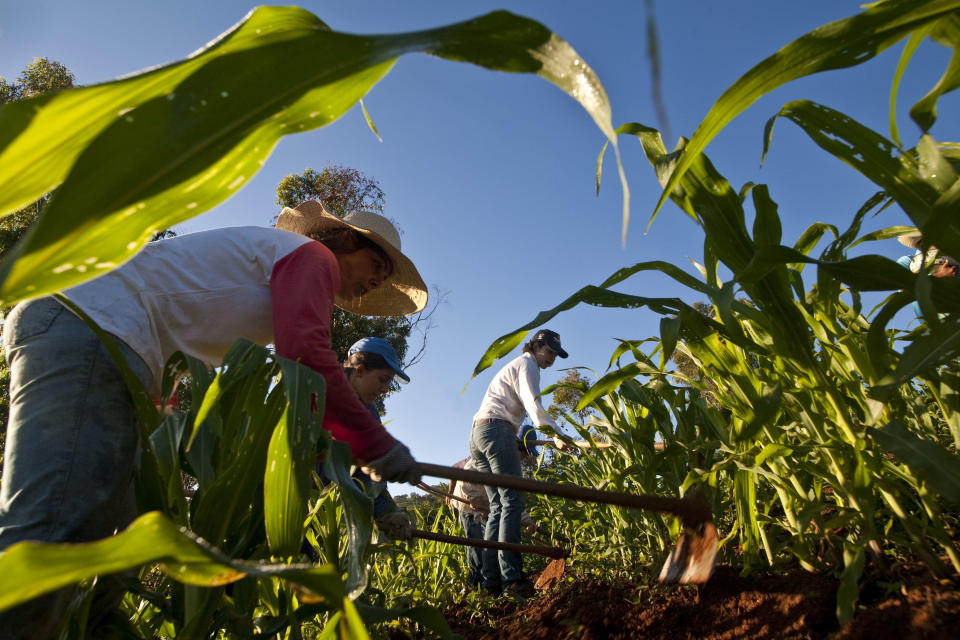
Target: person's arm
<point>302,288</point>
<point>528,388</point>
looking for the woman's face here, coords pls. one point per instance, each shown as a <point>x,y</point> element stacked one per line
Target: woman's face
<point>370,383</point>
<point>361,271</point>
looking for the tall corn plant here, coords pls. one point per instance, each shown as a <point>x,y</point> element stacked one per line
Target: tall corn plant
<point>835,446</point>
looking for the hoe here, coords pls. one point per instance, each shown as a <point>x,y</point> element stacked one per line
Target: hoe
<point>691,561</point>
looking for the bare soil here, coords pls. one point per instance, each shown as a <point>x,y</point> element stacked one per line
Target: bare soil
<point>795,605</point>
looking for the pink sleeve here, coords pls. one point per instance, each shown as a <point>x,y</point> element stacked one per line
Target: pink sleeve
<point>302,288</point>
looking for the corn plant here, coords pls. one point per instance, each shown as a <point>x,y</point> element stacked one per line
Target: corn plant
<point>830,445</point>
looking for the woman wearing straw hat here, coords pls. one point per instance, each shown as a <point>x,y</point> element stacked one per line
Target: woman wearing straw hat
<point>72,436</point>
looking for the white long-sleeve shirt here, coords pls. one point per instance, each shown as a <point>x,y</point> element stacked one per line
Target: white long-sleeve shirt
<point>515,392</point>
<point>197,293</point>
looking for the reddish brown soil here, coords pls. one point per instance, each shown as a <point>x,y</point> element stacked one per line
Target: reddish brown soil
<point>798,605</point>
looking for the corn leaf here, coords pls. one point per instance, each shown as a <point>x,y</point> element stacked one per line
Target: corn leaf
<point>927,460</point>
<point>878,159</point>
<point>29,569</point>
<point>848,592</point>
<point>291,458</point>
<point>837,45</point>
<point>153,149</point>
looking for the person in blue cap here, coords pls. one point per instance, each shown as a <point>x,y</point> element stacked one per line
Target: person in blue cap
<point>371,367</point>
<point>472,506</point>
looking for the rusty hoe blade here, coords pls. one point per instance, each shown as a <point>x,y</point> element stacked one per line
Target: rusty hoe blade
<point>692,560</point>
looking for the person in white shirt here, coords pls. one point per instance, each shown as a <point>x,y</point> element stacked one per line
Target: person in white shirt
<point>513,393</point>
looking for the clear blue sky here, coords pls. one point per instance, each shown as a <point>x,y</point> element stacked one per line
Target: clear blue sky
<point>490,175</point>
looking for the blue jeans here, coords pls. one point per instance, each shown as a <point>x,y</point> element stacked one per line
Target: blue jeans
<point>72,440</point>
<point>493,448</point>
<point>473,528</point>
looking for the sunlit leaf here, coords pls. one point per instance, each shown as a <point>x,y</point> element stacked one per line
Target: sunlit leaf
<point>145,152</point>
<point>837,45</point>
<point>29,569</point>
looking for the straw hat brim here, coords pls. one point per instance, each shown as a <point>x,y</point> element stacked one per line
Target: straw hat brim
<point>912,240</point>
<point>402,294</point>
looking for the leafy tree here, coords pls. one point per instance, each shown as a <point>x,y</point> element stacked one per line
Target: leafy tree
<point>342,190</point>
<point>567,394</point>
<point>39,77</point>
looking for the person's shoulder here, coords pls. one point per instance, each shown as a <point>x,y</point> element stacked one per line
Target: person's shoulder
<point>462,464</point>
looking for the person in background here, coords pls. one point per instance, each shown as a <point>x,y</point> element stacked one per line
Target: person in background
<point>473,506</point>
<point>513,393</point>
<point>72,437</point>
<point>943,266</point>
<point>371,367</point>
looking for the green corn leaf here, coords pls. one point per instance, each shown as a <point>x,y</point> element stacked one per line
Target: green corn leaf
<point>223,503</point>
<point>772,451</point>
<point>766,408</point>
<point>613,380</point>
<point>917,190</point>
<point>949,400</point>
<point>848,592</point>
<point>30,569</point>
<point>947,33</point>
<point>291,458</point>
<point>156,148</point>
<point>921,355</point>
<point>593,295</point>
<point>912,44</point>
<point>766,226</point>
<point>357,511</point>
<point>669,334</point>
<point>927,460</point>
<point>837,45</point>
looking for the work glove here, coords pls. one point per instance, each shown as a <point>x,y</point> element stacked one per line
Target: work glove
<point>527,522</point>
<point>396,525</point>
<point>396,465</point>
<point>558,443</point>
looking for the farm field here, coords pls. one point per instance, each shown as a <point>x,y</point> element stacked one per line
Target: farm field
<point>780,392</point>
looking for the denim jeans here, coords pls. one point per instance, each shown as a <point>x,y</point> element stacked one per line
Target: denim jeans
<point>473,528</point>
<point>72,442</point>
<point>493,448</point>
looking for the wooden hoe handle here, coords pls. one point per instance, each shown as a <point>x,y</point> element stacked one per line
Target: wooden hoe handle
<point>692,510</point>
<point>550,552</point>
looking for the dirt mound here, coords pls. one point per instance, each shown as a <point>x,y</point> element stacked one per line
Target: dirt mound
<point>797,605</point>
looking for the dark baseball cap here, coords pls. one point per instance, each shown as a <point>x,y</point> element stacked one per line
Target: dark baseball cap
<point>552,340</point>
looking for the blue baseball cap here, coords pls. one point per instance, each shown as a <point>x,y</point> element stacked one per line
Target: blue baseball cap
<point>382,348</point>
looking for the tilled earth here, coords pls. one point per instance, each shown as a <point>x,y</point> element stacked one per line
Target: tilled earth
<point>796,605</point>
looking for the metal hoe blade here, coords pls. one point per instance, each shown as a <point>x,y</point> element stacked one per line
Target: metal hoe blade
<point>692,559</point>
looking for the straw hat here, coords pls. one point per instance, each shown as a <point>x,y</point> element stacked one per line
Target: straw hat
<point>402,293</point>
<point>911,240</point>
